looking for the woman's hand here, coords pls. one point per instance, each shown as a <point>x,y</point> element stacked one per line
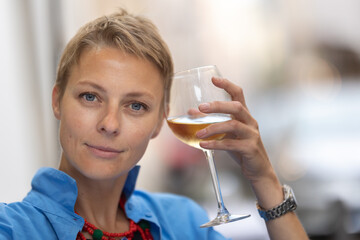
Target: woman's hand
<point>243,142</point>
<point>242,139</point>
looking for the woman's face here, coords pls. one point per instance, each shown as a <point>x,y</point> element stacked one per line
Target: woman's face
<point>111,108</point>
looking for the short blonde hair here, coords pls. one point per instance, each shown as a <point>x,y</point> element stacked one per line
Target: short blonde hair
<point>132,34</point>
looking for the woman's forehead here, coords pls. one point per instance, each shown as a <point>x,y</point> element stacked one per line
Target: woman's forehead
<point>109,66</point>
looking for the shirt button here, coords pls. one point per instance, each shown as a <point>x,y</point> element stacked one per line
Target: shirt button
<point>148,214</point>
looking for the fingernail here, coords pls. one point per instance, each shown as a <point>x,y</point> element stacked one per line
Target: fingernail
<point>201,133</point>
<point>204,106</point>
<point>218,79</point>
<point>205,144</point>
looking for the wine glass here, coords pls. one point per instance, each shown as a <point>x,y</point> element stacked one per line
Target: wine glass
<point>189,89</point>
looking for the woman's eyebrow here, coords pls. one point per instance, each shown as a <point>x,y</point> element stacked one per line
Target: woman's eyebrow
<point>140,94</point>
<point>92,84</point>
<point>130,94</point>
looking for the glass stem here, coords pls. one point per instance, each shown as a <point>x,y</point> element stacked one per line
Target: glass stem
<point>215,180</point>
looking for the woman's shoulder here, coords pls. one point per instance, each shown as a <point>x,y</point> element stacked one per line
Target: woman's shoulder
<point>16,216</point>
<point>20,219</point>
<point>18,213</point>
<point>18,210</point>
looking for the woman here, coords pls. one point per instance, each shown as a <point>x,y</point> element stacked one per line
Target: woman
<point>108,98</point>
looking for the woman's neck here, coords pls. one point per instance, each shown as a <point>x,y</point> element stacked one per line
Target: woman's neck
<point>99,204</point>
<point>98,201</point>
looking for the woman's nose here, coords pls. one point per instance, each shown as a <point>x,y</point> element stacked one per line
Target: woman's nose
<point>109,123</point>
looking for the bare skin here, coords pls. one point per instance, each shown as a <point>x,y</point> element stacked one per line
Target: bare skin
<point>106,122</point>
<point>108,114</point>
<point>244,144</point>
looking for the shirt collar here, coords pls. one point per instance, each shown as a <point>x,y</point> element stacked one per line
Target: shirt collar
<point>50,183</point>
<point>62,189</point>
<point>130,183</point>
<point>54,193</point>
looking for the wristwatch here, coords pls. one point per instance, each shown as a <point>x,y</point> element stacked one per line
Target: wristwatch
<point>288,205</point>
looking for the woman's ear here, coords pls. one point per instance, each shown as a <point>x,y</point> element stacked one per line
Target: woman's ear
<point>162,116</point>
<point>167,109</point>
<point>159,125</point>
<point>56,102</point>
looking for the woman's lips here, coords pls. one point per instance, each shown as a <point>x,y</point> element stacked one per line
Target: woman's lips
<point>103,152</point>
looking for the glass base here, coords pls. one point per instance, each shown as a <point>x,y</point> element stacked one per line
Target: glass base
<point>222,219</point>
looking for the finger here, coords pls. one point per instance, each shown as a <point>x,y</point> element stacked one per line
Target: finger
<point>235,145</point>
<point>235,108</point>
<point>232,129</point>
<point>195,113</point>
<point>235,91</point>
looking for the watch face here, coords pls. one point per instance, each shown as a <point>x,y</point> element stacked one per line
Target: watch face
<point>292,198</point>
<point>289,194</point>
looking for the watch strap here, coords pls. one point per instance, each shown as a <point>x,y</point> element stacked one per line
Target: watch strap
<point>288,205</point>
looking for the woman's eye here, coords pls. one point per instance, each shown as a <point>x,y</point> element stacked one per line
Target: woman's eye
<point>89,97</point>
<point>137,106</point>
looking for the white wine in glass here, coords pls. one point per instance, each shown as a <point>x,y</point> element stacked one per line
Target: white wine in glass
<point>189,89</point>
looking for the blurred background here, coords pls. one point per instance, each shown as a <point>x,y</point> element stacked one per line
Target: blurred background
<point>297,61</point>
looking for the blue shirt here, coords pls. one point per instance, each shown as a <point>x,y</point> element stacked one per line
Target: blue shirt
<point>47,212</point>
